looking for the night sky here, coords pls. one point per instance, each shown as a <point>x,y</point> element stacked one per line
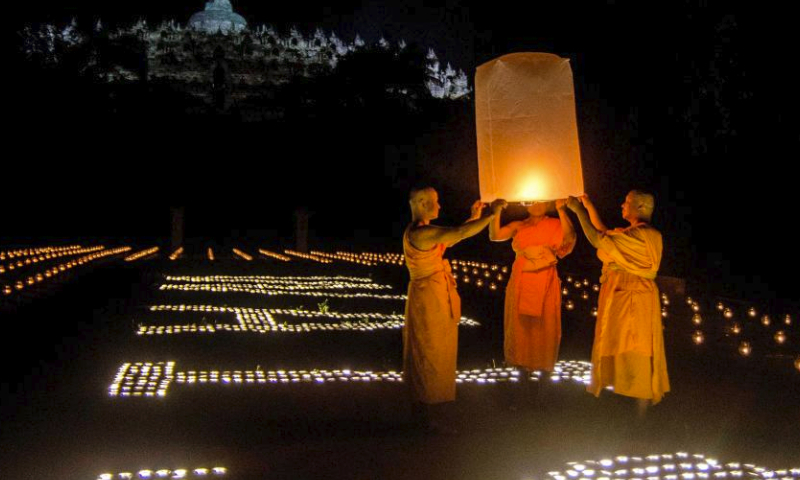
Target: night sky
<point>688,100</point>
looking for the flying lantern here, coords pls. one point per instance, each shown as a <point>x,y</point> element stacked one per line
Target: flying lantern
<point>527,129</point>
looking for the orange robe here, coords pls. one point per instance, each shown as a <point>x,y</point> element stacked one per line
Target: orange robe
<point>628,351</point>
<point>532,318</point>
<point>430,334</point>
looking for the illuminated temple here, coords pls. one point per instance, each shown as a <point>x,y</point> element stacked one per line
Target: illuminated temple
<point>218,16</point>
<point>255,59</point>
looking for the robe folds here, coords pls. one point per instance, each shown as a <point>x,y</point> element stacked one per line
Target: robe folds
<point>628,351</point>
<point>532,313</point>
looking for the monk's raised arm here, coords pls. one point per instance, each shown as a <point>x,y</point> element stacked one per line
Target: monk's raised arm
<point>592,211</point>
<point>496,232</point>
<point>568,235</point>
<point>592,233</point>
<point>427,236</point>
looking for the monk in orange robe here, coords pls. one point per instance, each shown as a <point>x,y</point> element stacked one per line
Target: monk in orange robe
<point>433,307</point>
<point>628,351</point>
<point>532,319</point>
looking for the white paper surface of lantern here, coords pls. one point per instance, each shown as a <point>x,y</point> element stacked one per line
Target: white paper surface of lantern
<point>527,129</point>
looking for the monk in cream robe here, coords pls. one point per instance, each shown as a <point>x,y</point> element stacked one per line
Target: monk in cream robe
<point>433,307</point>
<point>628,351</point>
<point>532,317</point>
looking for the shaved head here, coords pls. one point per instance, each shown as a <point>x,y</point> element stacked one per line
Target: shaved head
<point>419,194</point>
<point>644,203</point>
<point>424,204</point>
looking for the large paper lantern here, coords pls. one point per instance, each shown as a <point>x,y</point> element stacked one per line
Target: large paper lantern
<point>527,130</point>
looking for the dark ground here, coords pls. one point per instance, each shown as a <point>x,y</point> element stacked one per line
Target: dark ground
<point>59,422</point>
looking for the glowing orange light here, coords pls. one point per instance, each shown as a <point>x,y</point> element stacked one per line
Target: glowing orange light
<point>745,349</point>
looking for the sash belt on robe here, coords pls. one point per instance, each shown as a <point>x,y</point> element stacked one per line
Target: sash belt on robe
<point>445,276</point>
<point>533,303</point>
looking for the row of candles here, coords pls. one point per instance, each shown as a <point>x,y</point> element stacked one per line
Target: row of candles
<point>199,472</point>
<point>32,259</point>
<point>351,258</point>
<point>265,287</point>
<point>275,255</point>
<point>307,256</point>
<point>153,379</point>
<point>272,279</point>
<point>242,255</point>
<point>670,466</point>
<point>376,258</point>
<point>142,254</point>
<point>55,270</point>
<point>315,286</point>
<point>263,321</point>
<point>466,272</point>
<point>29,252</point>
<point>273,290</point>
